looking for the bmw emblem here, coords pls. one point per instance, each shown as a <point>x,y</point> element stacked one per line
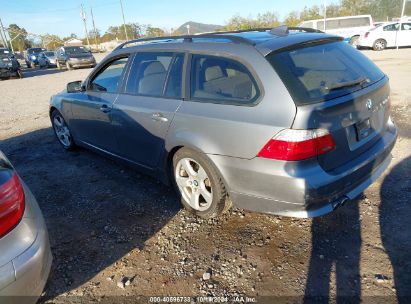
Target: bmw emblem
<point>369,104</point>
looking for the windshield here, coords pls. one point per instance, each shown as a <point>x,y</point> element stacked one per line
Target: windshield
<point>35,51</point>
<point>76,50</point>
<point>323,71</point>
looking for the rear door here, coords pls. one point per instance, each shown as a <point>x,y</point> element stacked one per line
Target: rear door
<point>336,88</point>
<point>143,112</point>
<point>91,110</point>
<point>404,36</point>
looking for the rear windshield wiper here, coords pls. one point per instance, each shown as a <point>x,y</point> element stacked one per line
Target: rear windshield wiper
<point>346,84</point>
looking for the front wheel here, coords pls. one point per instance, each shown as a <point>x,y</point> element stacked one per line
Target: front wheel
<point>201,188</point>
<point>379,45</point>
<point>68,66</point>
<point>62,131</point>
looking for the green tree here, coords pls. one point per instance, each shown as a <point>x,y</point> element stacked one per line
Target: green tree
<point>311,13</point>
<point>18,37</point>
<point>292,19</point>
<point>51,42</point>
<point>237,22</point>
<point>154,32</point>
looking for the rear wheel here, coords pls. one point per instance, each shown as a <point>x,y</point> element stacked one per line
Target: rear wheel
<point>379,45</point>
<point>62,131</point>
<point>201,188</point>
<point>354,41</point>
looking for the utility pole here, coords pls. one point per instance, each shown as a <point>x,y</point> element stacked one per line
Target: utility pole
<point>3,35</point>
<point>94,27</point>
<point>124,19</point>
<point>83,16</point>
<point>400,24</point>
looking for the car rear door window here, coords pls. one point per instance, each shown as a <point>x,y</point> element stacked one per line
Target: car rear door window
<point>148,73</point>
<point>174,79</point>
<point>221,80</point>
<point>323,71</point>
<point>109,78</point>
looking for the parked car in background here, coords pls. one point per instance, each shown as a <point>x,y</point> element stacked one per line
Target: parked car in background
<point>72,57</point>
<point>386,35</point>
<point>9,66</point>
<point>32,56</point>
<point>25,258</point>
<point>277,121</point>
<point>349,27</point>
<point>47,59</point>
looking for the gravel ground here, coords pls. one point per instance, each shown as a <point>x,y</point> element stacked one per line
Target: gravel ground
<point>115,232</point>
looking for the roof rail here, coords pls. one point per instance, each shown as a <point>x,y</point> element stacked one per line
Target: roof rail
<point>188,38</point>
<point>278,31</point>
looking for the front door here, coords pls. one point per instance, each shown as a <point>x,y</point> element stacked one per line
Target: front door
<point>142,115</point>
<point>91,111</point>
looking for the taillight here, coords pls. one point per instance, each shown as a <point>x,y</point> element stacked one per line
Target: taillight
<point>298,144</point>
<point>366,34</point>
<point>12,204</point>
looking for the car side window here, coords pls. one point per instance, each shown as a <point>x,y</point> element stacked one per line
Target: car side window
<point>175,77</point>
<point>391,27</point>
<point>406,26</point>
<point>148,73</point>
<point>221,80</point>
<point>108,79</point>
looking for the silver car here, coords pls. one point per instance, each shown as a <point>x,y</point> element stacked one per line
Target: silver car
<point>25,258</point>
<point>47,59</point>
<point>282,121</point>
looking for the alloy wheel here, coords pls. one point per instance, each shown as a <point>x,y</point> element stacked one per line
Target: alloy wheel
<point>62,131</point>
<point>194,184</point>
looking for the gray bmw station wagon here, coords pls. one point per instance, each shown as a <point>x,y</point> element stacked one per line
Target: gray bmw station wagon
<point>284,121</point>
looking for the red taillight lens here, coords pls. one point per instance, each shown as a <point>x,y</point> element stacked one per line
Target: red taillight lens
<point>298,145</point>
<point>366,34</point>
<point>12,204</point>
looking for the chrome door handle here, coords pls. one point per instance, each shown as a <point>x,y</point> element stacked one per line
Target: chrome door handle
<point>105,108</point>
<point>159,117</point>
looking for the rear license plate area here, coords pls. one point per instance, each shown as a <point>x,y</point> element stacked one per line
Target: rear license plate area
<point>363,129</point>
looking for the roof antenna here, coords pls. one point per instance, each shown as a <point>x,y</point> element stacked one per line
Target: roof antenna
<point>281,31</point>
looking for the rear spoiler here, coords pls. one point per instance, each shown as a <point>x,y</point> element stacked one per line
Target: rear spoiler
<point>308,43</point>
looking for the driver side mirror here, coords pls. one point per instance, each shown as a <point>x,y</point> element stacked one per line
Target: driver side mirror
<point>75,87</point>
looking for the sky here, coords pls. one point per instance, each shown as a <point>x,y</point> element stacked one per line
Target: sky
<point>63,17</point>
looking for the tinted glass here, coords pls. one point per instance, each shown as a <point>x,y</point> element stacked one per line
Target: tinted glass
<point>148,74</point>
<point>175,78</point>
<point>391,27</point>
<point>406,26</point>
<point>316,73</point>
<point>109,79</point>
<point>221,80</point>
<point>71,50</point>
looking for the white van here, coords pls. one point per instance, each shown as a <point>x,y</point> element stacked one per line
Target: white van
<point>350,27</point>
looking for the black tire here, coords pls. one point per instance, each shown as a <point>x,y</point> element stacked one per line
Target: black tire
<point>220,201</point>
<point>379,45</point>
<point>68,66</point>
<point>71,145</point>
<point>20,74</point>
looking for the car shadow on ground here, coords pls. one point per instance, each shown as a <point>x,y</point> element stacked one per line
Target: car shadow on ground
<point>96,210</point>
<point>336,242</point>
<point>395,219</point>
<point>27,73</point>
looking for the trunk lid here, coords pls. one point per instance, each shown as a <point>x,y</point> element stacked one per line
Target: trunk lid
<point>356,122</point>
<point>335,88</point>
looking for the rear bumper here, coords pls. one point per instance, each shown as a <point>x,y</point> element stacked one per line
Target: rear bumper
<point>24,277</point>
<point>302,189</point>
<point>79,64</point>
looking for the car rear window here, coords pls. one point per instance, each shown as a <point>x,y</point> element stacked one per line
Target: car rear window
<point>318,73</point>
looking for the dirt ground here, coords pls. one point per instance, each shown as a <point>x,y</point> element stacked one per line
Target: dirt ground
<point>115,232</point>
